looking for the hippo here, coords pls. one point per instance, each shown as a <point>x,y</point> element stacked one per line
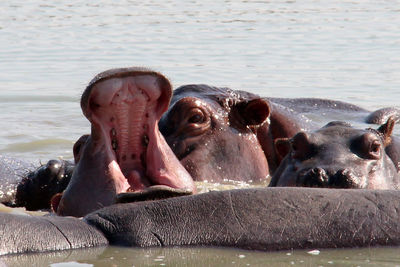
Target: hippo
<point>125,151</point>
<point>271,219</point>
<point>202,132</point>
<point>199,139</point>
<point>35,190</point>
<point>208,127</point>
<point>339,156</point>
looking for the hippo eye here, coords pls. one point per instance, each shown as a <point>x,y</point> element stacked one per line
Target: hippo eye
<point>375,147</point>
<point>196,116</point>
<point>367,146</point>
<point>374,150</point>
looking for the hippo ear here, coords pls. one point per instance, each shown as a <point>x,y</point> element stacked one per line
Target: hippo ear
<point>282,147</point>
<point>250,112</point>
<point>387,129</point>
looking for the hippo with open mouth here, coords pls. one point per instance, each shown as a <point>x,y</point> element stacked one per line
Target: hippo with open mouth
<point>340,156</point>
<point>125,151</point>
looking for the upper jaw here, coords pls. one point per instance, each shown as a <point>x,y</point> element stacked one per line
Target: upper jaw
<point>125,110</point>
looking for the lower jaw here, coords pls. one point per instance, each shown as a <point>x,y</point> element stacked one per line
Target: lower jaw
<point>155,192</point>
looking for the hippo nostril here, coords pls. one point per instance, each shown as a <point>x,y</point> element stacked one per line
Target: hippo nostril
<point>318,172</point>
<point>316,177</point>
<point>343,178</point>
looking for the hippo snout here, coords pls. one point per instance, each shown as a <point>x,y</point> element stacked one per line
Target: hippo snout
<point>320,177</point>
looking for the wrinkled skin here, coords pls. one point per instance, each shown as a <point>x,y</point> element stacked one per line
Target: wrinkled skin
<point>261,219</point>
<point>339,156</point>
<point>125,150</point>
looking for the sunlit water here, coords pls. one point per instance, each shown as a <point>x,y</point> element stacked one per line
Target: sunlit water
<point>50,50</point>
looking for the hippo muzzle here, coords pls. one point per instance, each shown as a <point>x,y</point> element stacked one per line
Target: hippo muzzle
<point>338,156</point>
<point>320,177</point>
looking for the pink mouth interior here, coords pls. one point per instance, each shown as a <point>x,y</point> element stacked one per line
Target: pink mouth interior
<point>127,111</point>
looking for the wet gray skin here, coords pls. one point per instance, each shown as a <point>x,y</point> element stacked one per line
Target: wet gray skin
<point>338,156</point>
<point>125,152</point>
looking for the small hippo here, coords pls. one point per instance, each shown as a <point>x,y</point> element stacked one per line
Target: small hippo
<point>339,156</point>
<point>36,189</point>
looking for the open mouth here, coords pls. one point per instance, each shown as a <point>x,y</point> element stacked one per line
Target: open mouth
<point>126,110</point>
<point>125,151</point>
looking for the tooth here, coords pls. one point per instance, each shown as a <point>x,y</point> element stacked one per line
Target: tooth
<point>145,140</point>
<point>114,144</point>
<point>113,132</point>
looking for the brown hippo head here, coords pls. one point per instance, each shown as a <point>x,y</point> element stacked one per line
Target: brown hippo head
<point>338,156</point>
<point>212,131</point>
<point>125,151</point>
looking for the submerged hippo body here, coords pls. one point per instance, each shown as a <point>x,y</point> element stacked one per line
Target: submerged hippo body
<point>262,219</point>
<point>340,156</point>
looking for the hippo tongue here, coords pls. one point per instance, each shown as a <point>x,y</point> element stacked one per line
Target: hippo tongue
<point>135,182</point>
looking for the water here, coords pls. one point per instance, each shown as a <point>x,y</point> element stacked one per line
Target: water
<point>117,256</point>
<point>50,50</point>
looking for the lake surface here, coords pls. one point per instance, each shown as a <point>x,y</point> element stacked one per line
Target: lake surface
<point>50,50</point>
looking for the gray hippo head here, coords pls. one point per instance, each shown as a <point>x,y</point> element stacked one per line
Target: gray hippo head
<point>338,156</point>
